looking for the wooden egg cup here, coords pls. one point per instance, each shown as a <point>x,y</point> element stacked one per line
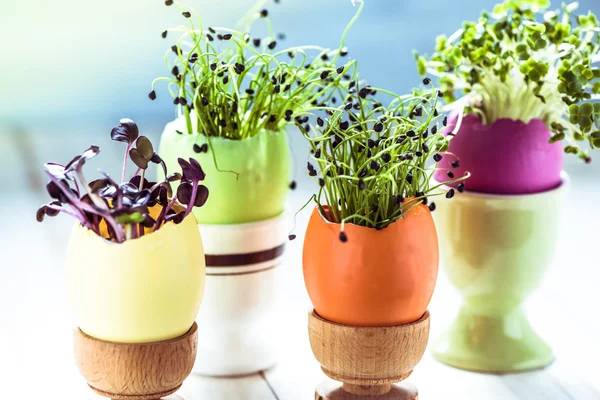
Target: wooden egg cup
<point>367,360</point>
<point>136,371</point>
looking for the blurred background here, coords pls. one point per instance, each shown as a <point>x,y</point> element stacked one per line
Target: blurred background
<point>71,69</point>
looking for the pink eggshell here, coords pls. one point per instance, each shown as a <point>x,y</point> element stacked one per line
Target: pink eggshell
<point>506,157</point>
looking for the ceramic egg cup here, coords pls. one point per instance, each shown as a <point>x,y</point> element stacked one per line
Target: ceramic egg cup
<point>238,331</point>
<point>136,371</point>
<point>496,250</point>
<point>368,361</point>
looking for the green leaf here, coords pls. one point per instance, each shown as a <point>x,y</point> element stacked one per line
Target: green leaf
<point>586,109</point>
<point>422,66</point>
<point>440,42</point>
<point>588,21</point>
<point>574,114</point>
<point>538,5</point>
<point>595,139</point>
<point>534,27</point>
<point>500,10</point>
<point>551,17</point>
<point>571,7</point>
<point>596,114</point>
<point>557,137</point>
<point>133,218</point>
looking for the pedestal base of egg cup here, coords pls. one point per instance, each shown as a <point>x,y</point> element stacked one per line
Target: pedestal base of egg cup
<point>496,250</point>
<point>492,343</point>
<point>367,362</point>
<point>135,371</point>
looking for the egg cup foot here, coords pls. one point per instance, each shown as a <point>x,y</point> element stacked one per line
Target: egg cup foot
<point>496,344</point>
<point>136,371</point>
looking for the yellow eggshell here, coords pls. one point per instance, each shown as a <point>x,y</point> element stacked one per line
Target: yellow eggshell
<point>143,290</point>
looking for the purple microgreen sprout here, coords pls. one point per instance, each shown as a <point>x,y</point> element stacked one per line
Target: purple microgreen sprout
<point>190,192</point>
<point>126,132</point>
<point>123,207</point>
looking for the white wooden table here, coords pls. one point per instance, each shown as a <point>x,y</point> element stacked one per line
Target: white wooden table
<point>36,359</point>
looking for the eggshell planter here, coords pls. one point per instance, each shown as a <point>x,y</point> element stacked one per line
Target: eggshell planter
<point>238,327</point>
<point>370,324</point>
<point>495,251</point>
<point>135,304</point>
<point>249,181</point>
<point>143,290</point>
<point>505,157</point>
<point>378,277</point>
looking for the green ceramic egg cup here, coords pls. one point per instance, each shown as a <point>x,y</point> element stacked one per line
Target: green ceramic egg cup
<point>495,250</point>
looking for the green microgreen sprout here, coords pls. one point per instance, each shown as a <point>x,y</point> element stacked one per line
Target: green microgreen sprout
<point>525,61</point>
<point>374,163</point>
<point>230,84</point>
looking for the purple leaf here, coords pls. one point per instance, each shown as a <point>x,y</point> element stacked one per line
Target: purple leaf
<point>174,177</point>
<point>126,132</point>
<point>186,168</point>
<point>148,222</point>
<point>79,161</point>
<point>58,171</point>
<point>99,184</point>
<point>57,192</point>
<point>142,198</point>
<point>109,192</point>
<point>201,196</point>
<point>176,218</point>
<point>156,158</point>
<point>162,193</point>
<point>129,189</point>
<point>184,193</point>
<point>136,182</point>
<point>198,173</point>
<point>45,210</point>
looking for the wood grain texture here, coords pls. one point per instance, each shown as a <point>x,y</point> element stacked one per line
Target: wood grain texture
<point>136,371</point>
<point>368,360</point>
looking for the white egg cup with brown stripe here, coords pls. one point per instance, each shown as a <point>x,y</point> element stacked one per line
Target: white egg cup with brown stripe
<point>237,331</point>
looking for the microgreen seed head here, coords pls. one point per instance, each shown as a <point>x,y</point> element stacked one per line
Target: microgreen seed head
<point>293,74</point>
<point>381,163</point>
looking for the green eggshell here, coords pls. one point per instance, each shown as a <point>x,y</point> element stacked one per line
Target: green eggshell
<point>262,162</point>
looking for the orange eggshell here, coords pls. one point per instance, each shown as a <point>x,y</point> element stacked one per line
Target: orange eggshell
<point>378,277</point>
